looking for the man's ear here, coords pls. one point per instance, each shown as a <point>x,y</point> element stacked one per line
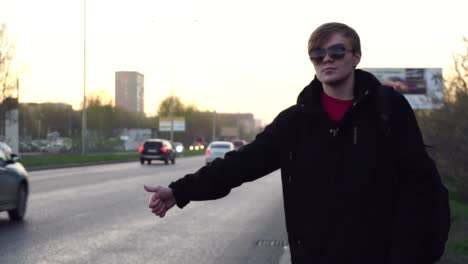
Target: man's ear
<point>356,58</point>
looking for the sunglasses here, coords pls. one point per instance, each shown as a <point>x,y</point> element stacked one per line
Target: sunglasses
<point>336,52</point>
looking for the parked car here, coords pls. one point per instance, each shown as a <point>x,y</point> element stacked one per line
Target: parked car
<point>157,149</point>
<point>238,143</point>
<point>58,145</point>
<point>217,149</point>
<point>14,185</point>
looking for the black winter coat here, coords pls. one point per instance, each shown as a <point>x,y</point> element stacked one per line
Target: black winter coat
<point>351,194</point>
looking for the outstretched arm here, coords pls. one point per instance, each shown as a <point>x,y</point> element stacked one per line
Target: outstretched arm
<point>216,180</point>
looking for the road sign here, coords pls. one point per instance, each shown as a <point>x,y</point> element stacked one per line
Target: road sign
<point>165,124</point>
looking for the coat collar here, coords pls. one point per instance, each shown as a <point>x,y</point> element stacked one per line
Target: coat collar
<point>309,99</point>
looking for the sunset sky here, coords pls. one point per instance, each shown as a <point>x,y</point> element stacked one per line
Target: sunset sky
<point>228,56</point>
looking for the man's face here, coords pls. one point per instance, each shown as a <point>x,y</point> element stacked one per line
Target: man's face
<point>338,62</point>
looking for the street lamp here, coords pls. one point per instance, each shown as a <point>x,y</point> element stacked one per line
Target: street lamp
<point>171,114</point>
<point>83,123</point>
<point>213,133</point>
<point>172,105</point>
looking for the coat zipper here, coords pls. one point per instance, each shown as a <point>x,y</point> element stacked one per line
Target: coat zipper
<point>290,160</point>
<point>334,131</point>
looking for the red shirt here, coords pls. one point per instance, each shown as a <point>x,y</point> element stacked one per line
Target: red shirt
<point>335,108</point>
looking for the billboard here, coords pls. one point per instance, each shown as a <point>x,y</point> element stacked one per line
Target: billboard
<point>422,87</point>
<point>227,131</point>
<point>165,124</point>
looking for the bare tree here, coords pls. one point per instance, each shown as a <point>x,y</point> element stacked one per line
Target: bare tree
<point>8,82</point>
<point>457,82</point>
<point>447,128</point>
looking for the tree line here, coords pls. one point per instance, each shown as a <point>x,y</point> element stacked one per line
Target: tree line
<point>104,122</point>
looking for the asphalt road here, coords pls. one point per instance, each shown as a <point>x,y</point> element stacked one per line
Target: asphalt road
<point>99,214</point>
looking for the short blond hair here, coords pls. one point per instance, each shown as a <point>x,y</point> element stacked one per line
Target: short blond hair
<point>323,33</point>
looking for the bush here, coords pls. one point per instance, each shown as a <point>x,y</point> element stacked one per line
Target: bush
<point>447,128</point>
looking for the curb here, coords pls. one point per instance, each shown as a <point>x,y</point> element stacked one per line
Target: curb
<point>84,164</point>
<point>72,165</point>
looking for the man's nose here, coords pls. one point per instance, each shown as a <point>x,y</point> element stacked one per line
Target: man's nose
<point>327,58</point>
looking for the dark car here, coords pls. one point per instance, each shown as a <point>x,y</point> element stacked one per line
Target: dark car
<point>157,149</point>
<point>14,186</point>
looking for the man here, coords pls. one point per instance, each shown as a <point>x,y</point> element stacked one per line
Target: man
<point>351,194</point>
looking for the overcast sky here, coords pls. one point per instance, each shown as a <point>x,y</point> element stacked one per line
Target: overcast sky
<point>231,56</point>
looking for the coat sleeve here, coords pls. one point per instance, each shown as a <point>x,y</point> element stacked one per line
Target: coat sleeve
<point>415,186</point>
<point>250,162</point>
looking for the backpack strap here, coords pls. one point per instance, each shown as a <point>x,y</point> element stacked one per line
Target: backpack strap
<point>384,111</point>
<point>435,241</point>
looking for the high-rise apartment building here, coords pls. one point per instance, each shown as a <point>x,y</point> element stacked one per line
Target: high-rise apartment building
<point>130,91</point>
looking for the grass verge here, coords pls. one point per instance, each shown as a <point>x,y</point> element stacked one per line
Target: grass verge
<point>459,242</point>
<point>460,247</point>
<point>73,159</point>
<point>458,209</point>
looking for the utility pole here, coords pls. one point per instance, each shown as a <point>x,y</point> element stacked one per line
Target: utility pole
<point>214,126</point>
<point>238,124</point>
<point>23,113</point>
<point>171,116</point>
<point>83,123</point>
<point>171,107</point>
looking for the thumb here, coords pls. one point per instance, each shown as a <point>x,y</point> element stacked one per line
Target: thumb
<point>151,188</point>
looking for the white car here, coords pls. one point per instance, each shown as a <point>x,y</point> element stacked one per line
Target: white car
<point>217,149</point>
